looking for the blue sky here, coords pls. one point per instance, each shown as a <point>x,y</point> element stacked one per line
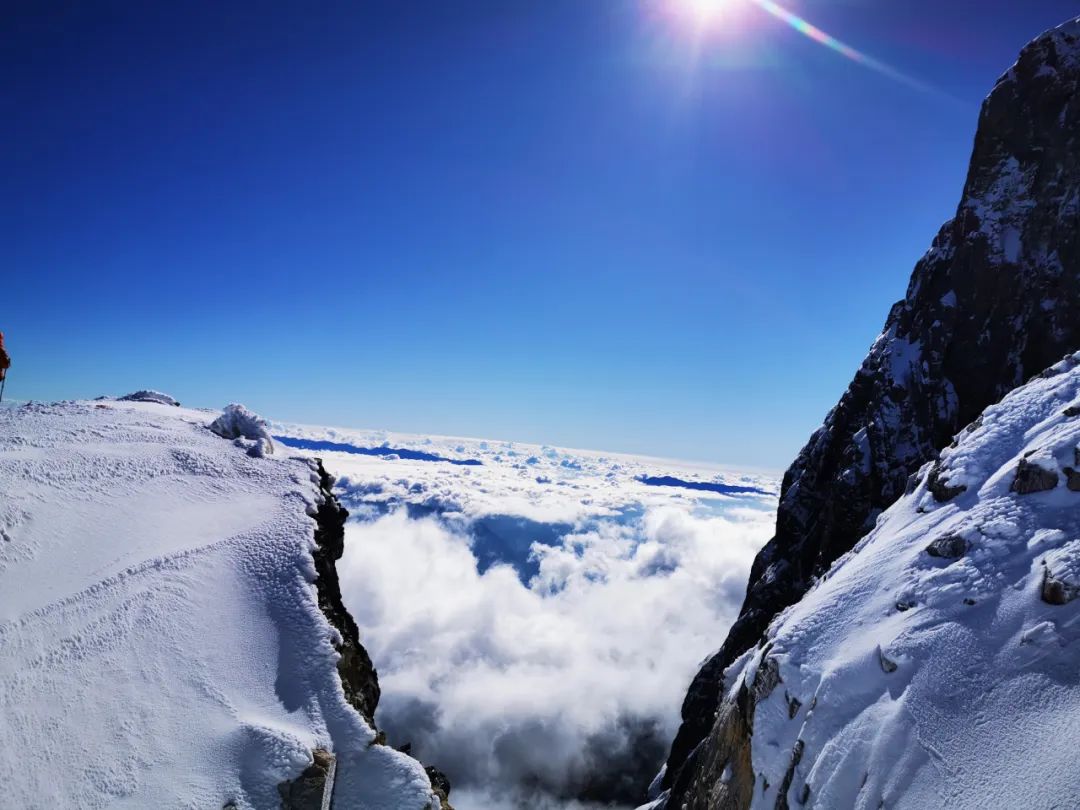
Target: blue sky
<point>582,223</point>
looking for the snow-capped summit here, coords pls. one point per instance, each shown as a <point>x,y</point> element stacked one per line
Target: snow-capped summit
<point>936,664</point>
<point>994,301</point>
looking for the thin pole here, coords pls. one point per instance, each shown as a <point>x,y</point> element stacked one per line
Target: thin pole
<point>3,382</point>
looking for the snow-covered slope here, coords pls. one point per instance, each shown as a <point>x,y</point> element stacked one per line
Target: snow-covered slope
<point>161,641</point>
<point>938,663</point>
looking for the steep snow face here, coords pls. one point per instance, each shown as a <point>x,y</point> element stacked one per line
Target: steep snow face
<point>995,300</point>
<point>161,643</point>
<point>936,664</point>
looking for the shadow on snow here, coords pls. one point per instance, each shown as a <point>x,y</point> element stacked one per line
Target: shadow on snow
<point>399,452</point>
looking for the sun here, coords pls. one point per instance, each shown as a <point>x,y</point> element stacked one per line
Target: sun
<point>704,12</point>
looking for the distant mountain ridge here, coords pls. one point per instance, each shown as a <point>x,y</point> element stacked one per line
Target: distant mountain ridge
<point>994,301</point>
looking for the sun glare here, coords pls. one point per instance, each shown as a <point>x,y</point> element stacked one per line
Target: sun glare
<point>705,12</point>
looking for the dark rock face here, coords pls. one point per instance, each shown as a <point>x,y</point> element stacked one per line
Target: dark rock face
<point>441,785</point>
<point>789,775</point>
<point>308,790</point>
<point>726,779</point>
<point>942,492</point>
<point>358,676</point>
<point>1033,478</point>
<point>994,301</point>
<point>1057,590</point>
<point>948,547</point>
<point>1072,479</point>
<point>359,680</point>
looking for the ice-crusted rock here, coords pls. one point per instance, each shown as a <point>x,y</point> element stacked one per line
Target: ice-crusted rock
<point>962,698</point>
<point>151,396</point>
<point>995,300</point>
<point>238,423</point>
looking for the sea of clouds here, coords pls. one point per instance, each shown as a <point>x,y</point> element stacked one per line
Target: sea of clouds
<point>565,686</point>
<point>536,613</point>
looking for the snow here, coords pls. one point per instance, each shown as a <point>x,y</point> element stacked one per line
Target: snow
<point>929,681</point>
<point>160,640</point>
<point>237,422</point>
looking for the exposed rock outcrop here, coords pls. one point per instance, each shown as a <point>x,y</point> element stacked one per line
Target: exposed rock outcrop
<point>358,676</point>
<point>726,753</point>
<point>1061,576</point>
<point>359,679</point>
<point>311,789</point>
<point>948,547</point>
<point>1031,477</point>
<point>994,301</point>
<point>441,785</point>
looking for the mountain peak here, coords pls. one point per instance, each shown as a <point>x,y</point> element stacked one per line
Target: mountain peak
<point>995,300</point>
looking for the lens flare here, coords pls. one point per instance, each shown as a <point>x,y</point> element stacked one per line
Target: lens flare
<point>705,14</point>
<point>814,33</point>
<point>723,16</point>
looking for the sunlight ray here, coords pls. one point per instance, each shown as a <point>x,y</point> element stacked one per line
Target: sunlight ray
<point>814,33</point>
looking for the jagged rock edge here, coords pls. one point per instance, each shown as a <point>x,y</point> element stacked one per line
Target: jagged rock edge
<point>359,678</point>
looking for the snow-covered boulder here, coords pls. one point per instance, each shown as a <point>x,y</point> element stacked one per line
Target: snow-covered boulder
<point>937,664</point>
<point>150,396</point>
<point>240,424</point>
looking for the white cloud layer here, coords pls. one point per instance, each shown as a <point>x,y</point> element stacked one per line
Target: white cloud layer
<point>535,680</point>
<point>528,694</point>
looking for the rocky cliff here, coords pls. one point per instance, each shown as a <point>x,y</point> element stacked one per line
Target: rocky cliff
<point>934,665</point>
<point>995,300</point>
<point>359,680</point>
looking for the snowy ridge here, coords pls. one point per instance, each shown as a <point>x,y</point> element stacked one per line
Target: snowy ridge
<point>934,666</point>
<point>161,642</point>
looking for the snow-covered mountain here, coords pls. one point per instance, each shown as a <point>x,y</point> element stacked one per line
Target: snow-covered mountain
<point>995,300</point>
<point>170,631</point>
<point>936,664</point>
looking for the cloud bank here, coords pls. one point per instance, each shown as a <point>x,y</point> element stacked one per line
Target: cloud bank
<point>565,687</point>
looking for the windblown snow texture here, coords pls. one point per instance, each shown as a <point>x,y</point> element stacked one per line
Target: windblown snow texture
<point>161,642</point>
<point>936,664</point>
<point>995,300</point>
